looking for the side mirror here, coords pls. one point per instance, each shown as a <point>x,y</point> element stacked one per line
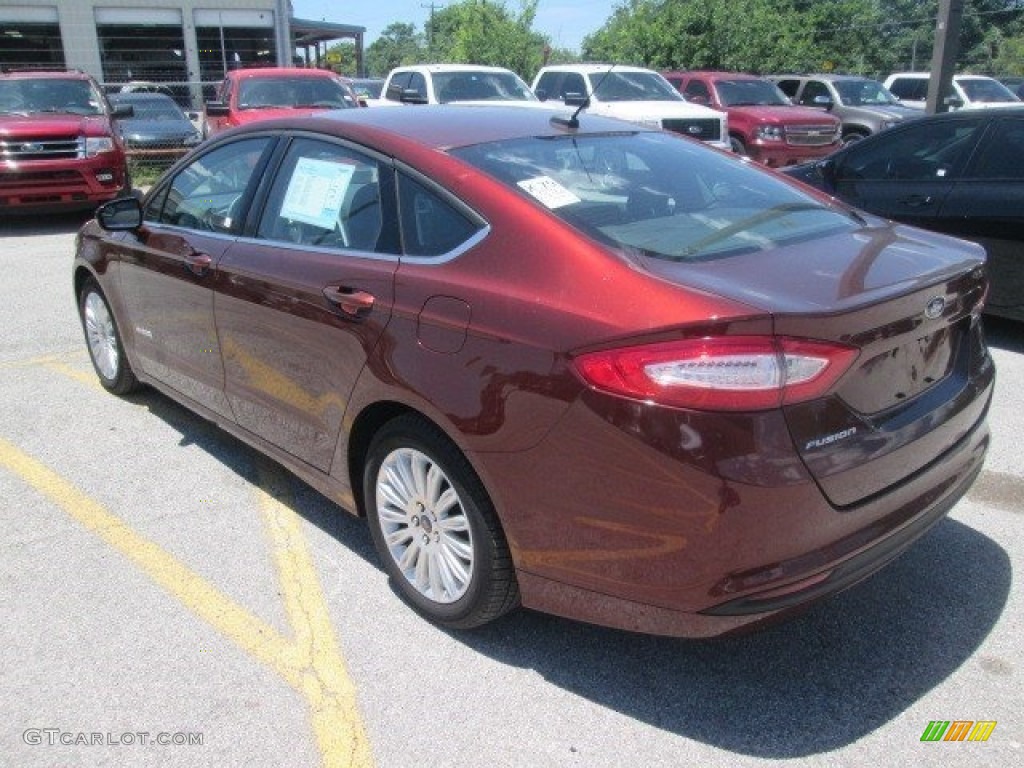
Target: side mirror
<point>217,109</point>
<point>541,94</point>
<point>827,170</point>
<point>121,111</point>
<point>823,101</point>
<point>121,215</point>
<point>575,100</point>
<point>697,99</point>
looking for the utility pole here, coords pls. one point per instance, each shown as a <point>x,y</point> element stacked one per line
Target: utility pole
<point>283,34</point>
<point>947,46</point>
<point>430,31</point>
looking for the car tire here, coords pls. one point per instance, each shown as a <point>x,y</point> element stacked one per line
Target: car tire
<point>103,341</point>
<point>738,146</point>
<point>435,528</point>
<point>852,138</point>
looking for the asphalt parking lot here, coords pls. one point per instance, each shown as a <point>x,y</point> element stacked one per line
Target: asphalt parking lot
<point>170,598</point>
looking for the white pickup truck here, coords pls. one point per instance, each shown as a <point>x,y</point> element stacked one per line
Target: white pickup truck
<point>631,93</point>
<point>454,83</point>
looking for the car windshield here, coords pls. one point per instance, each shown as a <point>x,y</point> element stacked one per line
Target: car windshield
<point>297,92</point>
<point>50,95</point>
<point>857,93</point>
<point>986,91</point>
<point>632,86</point>
<point>480,86</point>
<point>658,196</point>
<point>152,109</point>
<point>746,93</point>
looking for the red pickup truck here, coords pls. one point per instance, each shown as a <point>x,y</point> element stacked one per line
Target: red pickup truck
<point>763,123</point>
<point>59,146</point>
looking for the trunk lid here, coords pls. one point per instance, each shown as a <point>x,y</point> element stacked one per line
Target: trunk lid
<point>910,301</point>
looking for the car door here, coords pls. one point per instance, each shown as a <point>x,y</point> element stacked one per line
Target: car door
<point>304,297</point>
<point>907,173</point>
<point>987,205</point>
<point>169,267</point>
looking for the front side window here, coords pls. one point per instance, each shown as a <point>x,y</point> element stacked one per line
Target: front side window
<point>928,152</point>
<point>330,196</point>
<point>656,195</point>
<point>207,194</point>
<point>1003,156</point>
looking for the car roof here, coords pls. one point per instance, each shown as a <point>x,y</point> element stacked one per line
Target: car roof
<point>717,74</point>
<point>439,68</point>
<point>274,72</point>
<point>138,97</point>
<point>446,126</point>
<point>44,74</point>
<point>593,68</point>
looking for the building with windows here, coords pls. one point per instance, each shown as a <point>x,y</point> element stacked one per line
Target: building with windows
<point>183,42</point>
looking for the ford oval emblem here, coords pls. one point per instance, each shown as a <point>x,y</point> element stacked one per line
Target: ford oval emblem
<point>693,129</point>
<point>934,307</point>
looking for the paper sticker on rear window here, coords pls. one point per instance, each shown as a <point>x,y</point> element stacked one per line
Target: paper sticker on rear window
<point>316,192</point>
<point>548,191</point>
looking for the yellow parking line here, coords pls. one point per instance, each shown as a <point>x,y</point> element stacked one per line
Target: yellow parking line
<point>311,664</point>
<point>326,684</point>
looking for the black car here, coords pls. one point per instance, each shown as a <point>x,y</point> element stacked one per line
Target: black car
<point>961,173</point>
<point>158,129</point>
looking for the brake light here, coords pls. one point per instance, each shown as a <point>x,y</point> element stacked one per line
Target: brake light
<point>722,373</point>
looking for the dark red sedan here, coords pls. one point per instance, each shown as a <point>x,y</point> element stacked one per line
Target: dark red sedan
<point>598,370</point>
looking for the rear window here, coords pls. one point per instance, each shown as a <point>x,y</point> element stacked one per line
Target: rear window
<point>657,195</point>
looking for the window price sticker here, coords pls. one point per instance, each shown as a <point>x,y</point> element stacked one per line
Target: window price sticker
<point>548,191</point>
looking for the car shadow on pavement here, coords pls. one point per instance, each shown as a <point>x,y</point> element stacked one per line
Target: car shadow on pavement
<point>814,684</point>
<point>32,225</point>
<point>1004,334</point>
<point>818,682</point>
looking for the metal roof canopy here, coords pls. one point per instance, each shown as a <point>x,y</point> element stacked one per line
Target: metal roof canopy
<point>306,32</point>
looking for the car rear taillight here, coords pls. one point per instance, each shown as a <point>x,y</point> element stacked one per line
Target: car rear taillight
<point>722,373</point>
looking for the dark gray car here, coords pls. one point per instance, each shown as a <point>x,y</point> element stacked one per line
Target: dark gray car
<point>864,105</point>
<point>960,173</point>
<point>159,128</point>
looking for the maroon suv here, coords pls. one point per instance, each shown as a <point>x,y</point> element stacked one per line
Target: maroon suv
<point>59,145</point>
<point>763,123</point>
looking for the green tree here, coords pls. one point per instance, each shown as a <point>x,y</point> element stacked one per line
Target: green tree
<point>399,44</point>
<point>485,32</point>
<point>871,37</point>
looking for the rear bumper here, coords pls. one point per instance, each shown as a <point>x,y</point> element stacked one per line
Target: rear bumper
<point>656,545</point>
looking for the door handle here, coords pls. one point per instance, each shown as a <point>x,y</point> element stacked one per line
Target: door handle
<point>915,201</point>
<point>349,300</point>
<point>198,263</point>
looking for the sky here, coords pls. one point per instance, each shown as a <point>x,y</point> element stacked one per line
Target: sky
<point>566,22</point>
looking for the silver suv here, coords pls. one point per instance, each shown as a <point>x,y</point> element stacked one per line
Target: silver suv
<point>864,105</point>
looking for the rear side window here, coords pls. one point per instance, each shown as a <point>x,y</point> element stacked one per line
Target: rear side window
<point>431,226</point>
<point>910,88</point>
